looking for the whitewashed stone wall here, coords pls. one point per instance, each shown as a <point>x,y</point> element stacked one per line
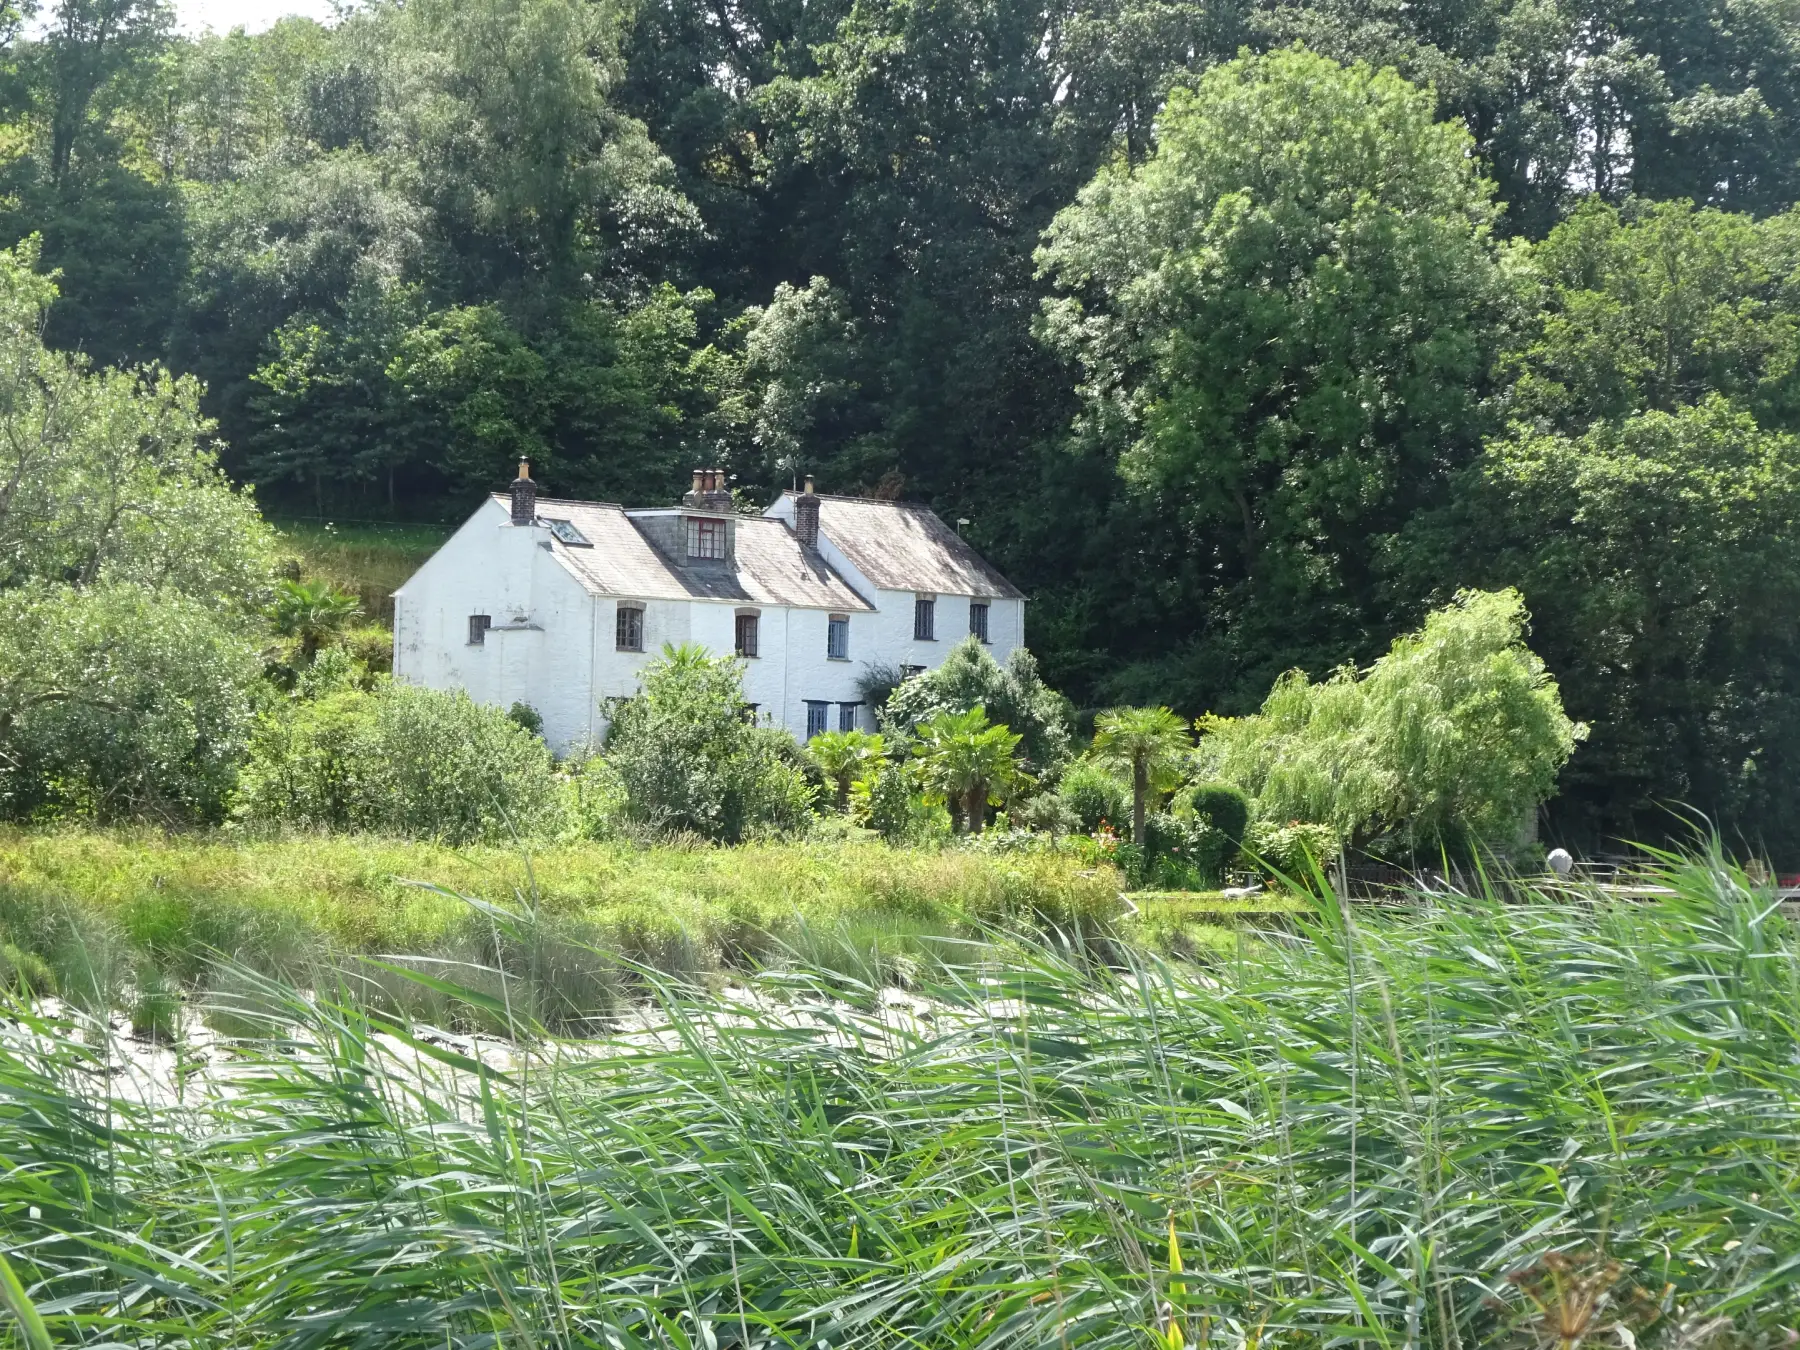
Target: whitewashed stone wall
<point>553,645</point>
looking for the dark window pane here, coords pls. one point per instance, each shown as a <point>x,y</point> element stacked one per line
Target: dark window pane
<point>847,716</point>
<point>631,629</point>
<point>978,617</point>
<point>817,714</point>
<point>478,628</point>
<point>837,639</point>
<point>925,618</point>
<point>746,635</point>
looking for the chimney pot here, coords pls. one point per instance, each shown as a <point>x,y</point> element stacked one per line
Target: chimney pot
<point>709,492</point>
<point>524,496</point>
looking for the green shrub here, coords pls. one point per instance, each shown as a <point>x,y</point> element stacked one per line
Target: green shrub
<point>1219,805</point>
<point>690,760</point>
<point>1014,696</point>
<point>890,808</point>
<point>419,763</point>
<point>1095,795</point>
<point>1294,848</point>
<point>599,797</point>
<point>121,701</point>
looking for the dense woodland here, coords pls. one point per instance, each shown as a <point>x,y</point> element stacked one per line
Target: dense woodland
<point>1241,333</point>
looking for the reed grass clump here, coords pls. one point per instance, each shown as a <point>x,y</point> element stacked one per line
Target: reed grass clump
<point>91,908</point>
<point>1537,1123</point>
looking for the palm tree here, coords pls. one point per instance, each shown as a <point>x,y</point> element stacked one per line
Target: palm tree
<point>312,611</point>
<point>969,761</point>
<point>843,755</point>
<point>1150,744</point>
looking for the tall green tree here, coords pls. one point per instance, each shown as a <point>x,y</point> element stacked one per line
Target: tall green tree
<point>1564,97</point>
<point>1654,307</point>
<point>1451,740</point>
<point>1658,556</point>
<point>1284,318</point>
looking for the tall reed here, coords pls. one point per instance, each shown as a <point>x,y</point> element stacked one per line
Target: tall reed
<point>1567,1118</point>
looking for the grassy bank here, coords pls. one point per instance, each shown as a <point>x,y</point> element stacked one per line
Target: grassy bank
<point>369,561</point>
<point>94,907</point>
<point>1489,1125</point>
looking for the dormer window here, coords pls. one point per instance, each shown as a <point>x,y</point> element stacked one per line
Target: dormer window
<point>705,538</point>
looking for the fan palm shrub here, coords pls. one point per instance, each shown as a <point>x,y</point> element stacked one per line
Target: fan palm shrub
<point>969,762</point>
<point>845,756</point>
<point>1150,745</point>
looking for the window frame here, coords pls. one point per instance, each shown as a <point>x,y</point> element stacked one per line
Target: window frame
<point>978,628</point>
<point>837,625</point>
<point>620,625</point>
<point>703,533</point>
<point>479,627</point>
<point>819,710</point>
<point>924,618</point>
<point>748,651</point>
<point>847,716</point>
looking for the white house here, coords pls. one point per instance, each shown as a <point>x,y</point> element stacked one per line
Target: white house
<point>561,604</point>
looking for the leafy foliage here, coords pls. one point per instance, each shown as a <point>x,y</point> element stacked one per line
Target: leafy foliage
<point>311,612</point>
<point>969,763</point>
<point>1452,739</point>
<point>417,763</point>
<point>1013,695</point>
<point>1635,545</point>
<point>1095,794</point>
<point>690,758</point>
<point>844,757</point>
<point>118,701</point>
<point>1282,316</point>
<point>1149,747</point>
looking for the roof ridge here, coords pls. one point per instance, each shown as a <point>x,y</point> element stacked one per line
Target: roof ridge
<point>561,501</point>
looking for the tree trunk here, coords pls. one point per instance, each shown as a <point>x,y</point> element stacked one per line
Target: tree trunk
<point>953,804</point>
<point>977,810</point>
<point>843,794</point>
<point>1140,789</point>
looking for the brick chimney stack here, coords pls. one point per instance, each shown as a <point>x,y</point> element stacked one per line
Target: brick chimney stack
<point>806,517</point>
<point>709,492</point>
<point>524,496</point>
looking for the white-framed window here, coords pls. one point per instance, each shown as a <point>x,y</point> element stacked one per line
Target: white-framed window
<point>630,628</point>
<point>847,716</point>
<point>705,538</point>
<point>837,637</point>
<point>925,618</point>
<point>818,715</point>
<point>478,628</point>
<point>978,617</point>
<point>747,634</point>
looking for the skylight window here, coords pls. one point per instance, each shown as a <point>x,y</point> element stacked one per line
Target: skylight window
<point>565,530</point>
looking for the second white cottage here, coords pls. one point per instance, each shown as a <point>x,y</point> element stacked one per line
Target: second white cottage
<point>561,604</point>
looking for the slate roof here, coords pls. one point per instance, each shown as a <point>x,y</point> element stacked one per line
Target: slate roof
<point>901,546</point>
<point>771,567</point>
